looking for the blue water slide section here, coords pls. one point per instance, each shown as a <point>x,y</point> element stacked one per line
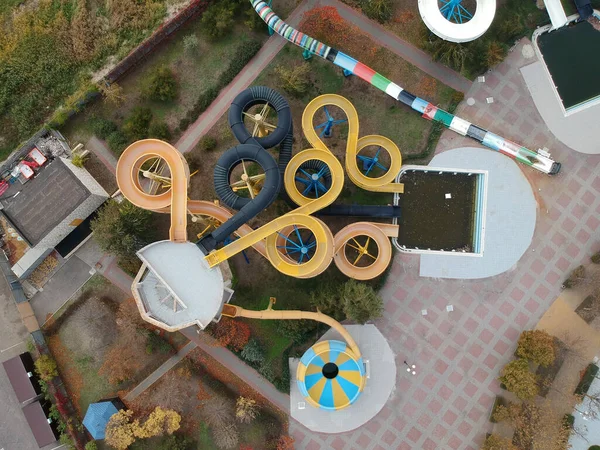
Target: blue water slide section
<point>419,105</point>
<point>345,62</point>
<point>492,140</point>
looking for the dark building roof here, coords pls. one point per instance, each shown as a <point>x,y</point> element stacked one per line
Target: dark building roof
<point>44,201</point>
<point>17,369</point>
<point>36,415</point>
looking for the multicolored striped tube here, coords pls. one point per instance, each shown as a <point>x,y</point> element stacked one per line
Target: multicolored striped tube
<point>538,160</point>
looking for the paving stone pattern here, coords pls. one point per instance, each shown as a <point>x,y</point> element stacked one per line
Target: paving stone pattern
<point>459,354</point>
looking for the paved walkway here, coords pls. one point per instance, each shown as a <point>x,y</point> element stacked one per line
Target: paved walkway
<point>164,368</point>
<point>103,153</point>
<point>402,48</point>
<point>459,354</point>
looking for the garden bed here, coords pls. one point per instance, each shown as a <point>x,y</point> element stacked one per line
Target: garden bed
<point>546,375</point>
<point>197,381</point>
<point>85,330</point>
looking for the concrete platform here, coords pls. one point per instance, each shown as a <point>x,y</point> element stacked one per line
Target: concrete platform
<point>510,217</point>
<point>381,371</point>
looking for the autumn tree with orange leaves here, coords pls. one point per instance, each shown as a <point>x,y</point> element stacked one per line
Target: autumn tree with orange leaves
<point>285,443</point>
<point>232,333</point>
<point>326,24</point>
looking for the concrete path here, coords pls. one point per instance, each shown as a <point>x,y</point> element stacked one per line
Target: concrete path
<point>103,153</point>
<point>246,373</point>
<point>459,354</point>
<point>401,48</point>
<point>63,284</point>
<point>164,368</point>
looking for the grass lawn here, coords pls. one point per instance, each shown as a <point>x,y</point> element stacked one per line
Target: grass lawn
<point>195,72</point>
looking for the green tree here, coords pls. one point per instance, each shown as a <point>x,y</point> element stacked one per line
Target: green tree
<point>162,85</point>
<point>518,379</point>
<point>449,53</point>
<point>380,10</point>
<point>294,80</point>
<point>253,352</point>
<point>361,302</point>
<point>137,124</point>
<point>328,300</point>
<point>218,19</point>
<point>122,228</point>
<point>46,368</point>
<point>537,346</point>
<point>159,130</point>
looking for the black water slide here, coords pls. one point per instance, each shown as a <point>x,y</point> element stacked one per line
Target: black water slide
<point>251,149</point>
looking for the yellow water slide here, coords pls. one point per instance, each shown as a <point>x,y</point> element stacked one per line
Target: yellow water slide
<point>130,172</point>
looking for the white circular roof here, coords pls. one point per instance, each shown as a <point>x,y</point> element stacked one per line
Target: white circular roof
<point>183,288</point>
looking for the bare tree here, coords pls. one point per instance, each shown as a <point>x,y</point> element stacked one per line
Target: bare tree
<point>218,411</point>
<point>226,436</point>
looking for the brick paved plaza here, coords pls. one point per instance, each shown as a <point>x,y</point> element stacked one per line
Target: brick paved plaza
<point>459,354</point>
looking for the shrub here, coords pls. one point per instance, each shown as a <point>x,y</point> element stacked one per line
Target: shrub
<point>137,124</point>
<point>380,10</point>
<point>537,346</point>
<point>193,161</point>
<point>103,127</point>
<point>253,352</point>
<point>78,159</point>
<point>266,370</point>
<point>46,368</point>
<point>159,130</point>
<point>587,379</point>
<point>518,379</point>
<point>328,300</point>
<point>156,342</point>
<point>576,277</point>
<point>162,85</point>
<point>191,43</point>
<point>296,330</point>
<point>361,302</point>
<point>207,143</point>
<point>91,446</point>
<point>596,258</point>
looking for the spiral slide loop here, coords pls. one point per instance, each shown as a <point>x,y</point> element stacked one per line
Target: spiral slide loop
<point>354,145</point>
<point>127,173</point>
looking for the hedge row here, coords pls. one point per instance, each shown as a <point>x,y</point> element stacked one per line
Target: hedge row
<point>587,379</point>
<point>242,56</point>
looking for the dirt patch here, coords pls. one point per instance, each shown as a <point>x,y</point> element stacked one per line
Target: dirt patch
<point>100,172</point>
